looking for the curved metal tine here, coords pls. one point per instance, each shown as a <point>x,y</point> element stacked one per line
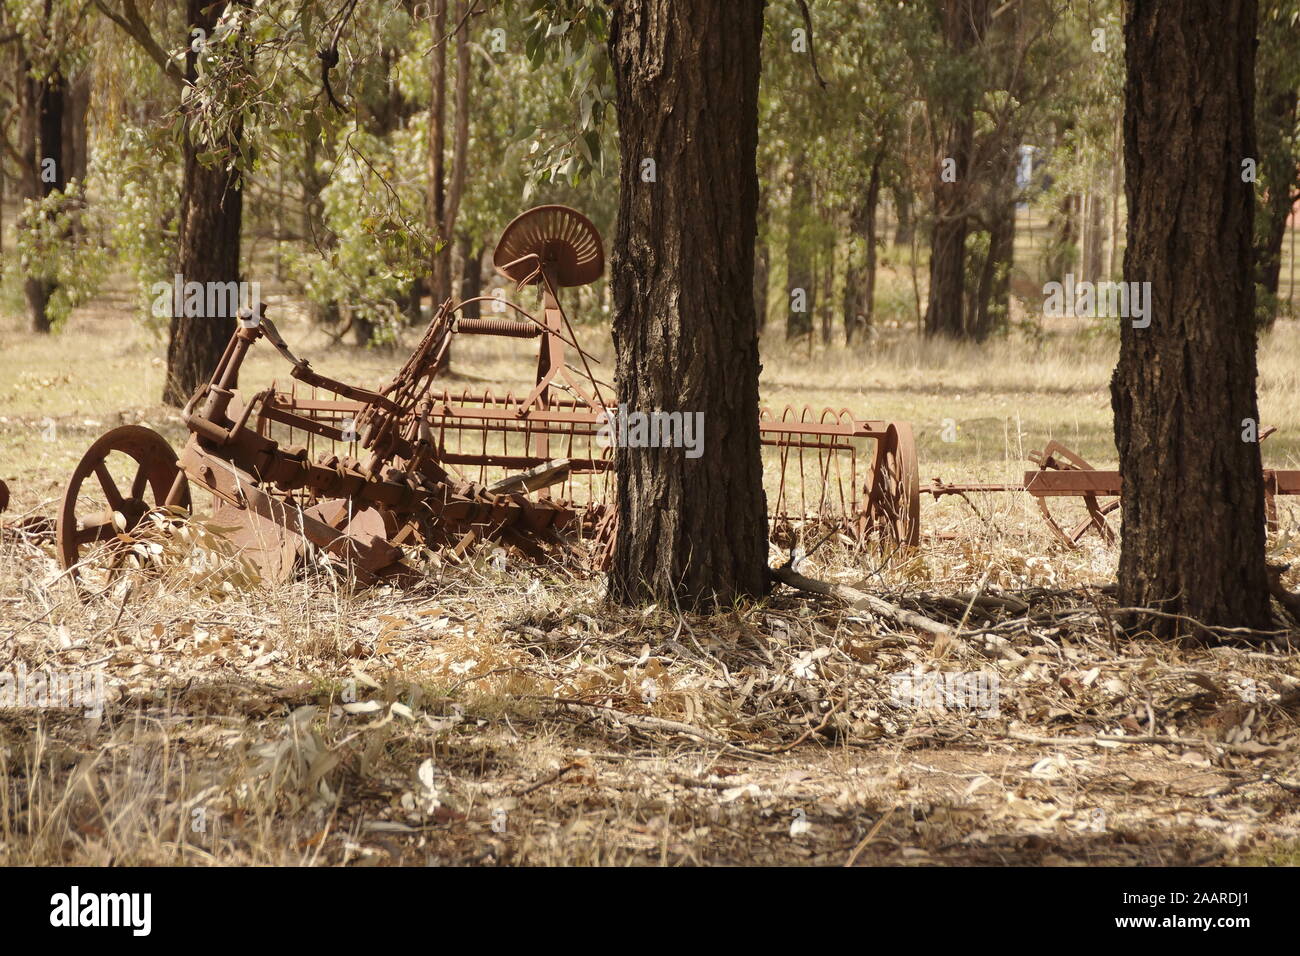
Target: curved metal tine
<point>1051,523</point>
<point>784,456</point>
<point>1097,519</point>
<point>490,398</point>
<point>805,418</point>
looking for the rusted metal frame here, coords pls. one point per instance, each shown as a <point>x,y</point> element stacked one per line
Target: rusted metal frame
<point>231,483</point>
<point>306,375</point>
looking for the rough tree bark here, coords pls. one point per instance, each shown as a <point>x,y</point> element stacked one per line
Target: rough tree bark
<point>211,217</point>
<point>1193,516</point>
<point>762,256</point>
<point>685,333</point>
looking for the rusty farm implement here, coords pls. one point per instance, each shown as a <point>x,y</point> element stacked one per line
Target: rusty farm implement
<point>369,477</point>
<point>1063,474</point>
<point>366,476</point>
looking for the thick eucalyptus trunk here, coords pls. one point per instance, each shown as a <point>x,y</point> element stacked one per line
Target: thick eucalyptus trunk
<point>1184,391</point>
<point>692,530</point>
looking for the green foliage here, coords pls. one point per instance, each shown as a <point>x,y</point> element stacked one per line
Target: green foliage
<point>379,251</point>
<point>54,246</point>
<point>135,206</point>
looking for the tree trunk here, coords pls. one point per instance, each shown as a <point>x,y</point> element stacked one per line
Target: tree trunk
<point>48,174</point>
<point>460,133</point>
<point>471,278</point>
<point>963,23</point>
<point>943,310</point>
<point>762,257</point>
<point>75,147</point>
<point>1280,173</point>
<point>1094,247</point>
<point>212,205</point>
<point>993,294</point>
<point>1062,248</point>
<point>860,274</point>
<point>440,267</point>
<point>905,228</point>
<point>800,283</point>
<point>1193,512</point>
<point>826,282</point>
<point>691,530</point>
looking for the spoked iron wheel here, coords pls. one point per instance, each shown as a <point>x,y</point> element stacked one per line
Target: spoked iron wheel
<point>894,492</point>
<point>125,476</point>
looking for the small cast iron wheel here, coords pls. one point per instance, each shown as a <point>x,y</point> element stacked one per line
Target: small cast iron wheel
<point>132,470</point>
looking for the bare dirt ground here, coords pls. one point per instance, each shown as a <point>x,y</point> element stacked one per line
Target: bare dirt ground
<point>501,712</point>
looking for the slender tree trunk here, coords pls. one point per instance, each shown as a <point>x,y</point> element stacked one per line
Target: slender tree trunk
<point>1193,512</point>
<point>963,23</point>
<point>1062,246</point>
<point>440,267</point>
<point>691,530</point>
<point>1281,174</point>
<point>49,174</point>
<point>800,283</point>
<point>1094,247</point>
<point>826,281</point>
<point>471,278</point>
<point>993,293</point>
<point>1116,188</point>
<point>860,274</point>
<point>75,149</point>
<point>460,132</point>
<point>903,209</point>
<point>211,218</point>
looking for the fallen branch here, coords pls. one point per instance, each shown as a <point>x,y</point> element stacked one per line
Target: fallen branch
<point>650,723</point>
<point>861,601</point>
<point>1248,749</point>
<point>550,778</point>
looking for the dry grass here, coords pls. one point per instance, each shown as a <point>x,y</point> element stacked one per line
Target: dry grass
<point>506,714</point>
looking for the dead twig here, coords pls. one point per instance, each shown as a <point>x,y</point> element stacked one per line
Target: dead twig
<point>871,834</point>
<point>551,778</point>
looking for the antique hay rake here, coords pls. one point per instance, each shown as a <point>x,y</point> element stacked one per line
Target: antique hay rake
<point>365,476</point>
<point>1061,473</point>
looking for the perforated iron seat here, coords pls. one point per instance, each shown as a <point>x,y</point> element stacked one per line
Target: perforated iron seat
<point>565,241</point>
